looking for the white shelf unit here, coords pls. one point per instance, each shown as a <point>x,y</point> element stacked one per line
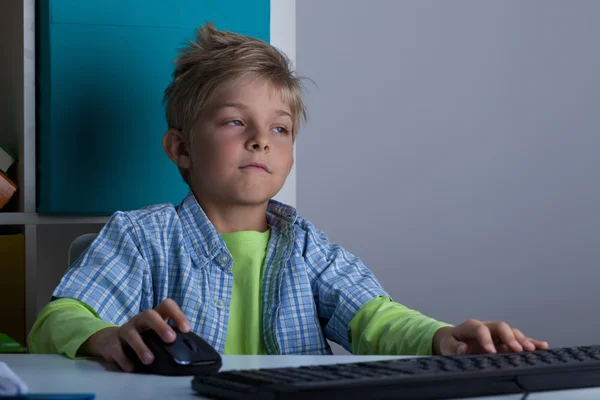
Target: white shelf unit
<point>26,218</point>
<point>47,237</point>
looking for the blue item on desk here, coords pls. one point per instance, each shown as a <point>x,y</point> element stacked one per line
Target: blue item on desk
<point>51,396</point>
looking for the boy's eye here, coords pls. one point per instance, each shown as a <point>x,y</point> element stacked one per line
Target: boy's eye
<point>235,122</point>
<point>281,129</point>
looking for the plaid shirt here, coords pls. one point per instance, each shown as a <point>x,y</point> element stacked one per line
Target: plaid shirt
<point>312,288</point>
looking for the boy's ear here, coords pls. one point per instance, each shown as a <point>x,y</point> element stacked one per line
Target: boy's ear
<point>176,148</point>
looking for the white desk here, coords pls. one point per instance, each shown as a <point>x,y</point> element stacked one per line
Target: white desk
<point>56,374</point>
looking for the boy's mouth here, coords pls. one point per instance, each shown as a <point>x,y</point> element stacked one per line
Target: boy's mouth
<point>260,167</point>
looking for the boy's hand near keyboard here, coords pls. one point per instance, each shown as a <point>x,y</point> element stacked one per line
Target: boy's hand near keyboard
<point>477,337</point>
<point>108,343</point>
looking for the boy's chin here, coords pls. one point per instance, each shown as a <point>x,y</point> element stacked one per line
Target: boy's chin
<point>245,198</point>
<point>253,200</point>
<point>257,197</point>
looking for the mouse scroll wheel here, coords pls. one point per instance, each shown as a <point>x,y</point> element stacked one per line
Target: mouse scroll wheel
<point>190,344</point>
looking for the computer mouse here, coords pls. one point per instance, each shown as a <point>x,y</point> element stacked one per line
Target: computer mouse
<point>189,355</point>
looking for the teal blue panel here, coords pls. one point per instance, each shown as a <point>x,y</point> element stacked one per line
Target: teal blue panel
<point>237,15</point>
<point>103,68</point>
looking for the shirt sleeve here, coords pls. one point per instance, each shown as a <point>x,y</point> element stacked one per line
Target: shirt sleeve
<point>341,284</point>
<point>383,327</point>
<point>63,326</point>
<point>112,276</point>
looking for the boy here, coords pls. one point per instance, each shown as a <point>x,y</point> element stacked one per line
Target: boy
<point>241,270</point>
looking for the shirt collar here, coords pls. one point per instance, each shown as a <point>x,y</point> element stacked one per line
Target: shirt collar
<point>205,238</point>
<point>280,215</point>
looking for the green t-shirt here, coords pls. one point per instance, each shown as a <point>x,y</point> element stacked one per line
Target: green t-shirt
<point>244,328</point>
<point>381,326</point>
<point>63,326</point>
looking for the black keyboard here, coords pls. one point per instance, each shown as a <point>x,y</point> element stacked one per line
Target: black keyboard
<point>440,377</point>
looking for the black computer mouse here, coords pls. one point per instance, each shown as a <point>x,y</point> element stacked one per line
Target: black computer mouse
<point>189,354</point>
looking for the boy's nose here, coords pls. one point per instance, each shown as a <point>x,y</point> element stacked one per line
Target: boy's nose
<point>259,142</point>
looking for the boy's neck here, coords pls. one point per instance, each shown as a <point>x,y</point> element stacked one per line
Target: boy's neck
<point>236,218</point>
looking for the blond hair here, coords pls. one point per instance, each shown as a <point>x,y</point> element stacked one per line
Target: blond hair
<point>217,58</point>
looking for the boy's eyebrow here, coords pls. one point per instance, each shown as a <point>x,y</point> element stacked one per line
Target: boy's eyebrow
<point>283,113</point>
<point>242,106</point>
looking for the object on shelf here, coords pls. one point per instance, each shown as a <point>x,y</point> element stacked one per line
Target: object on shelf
<point>9,345</point>
<point>6,159</point>
<point>7,189</point>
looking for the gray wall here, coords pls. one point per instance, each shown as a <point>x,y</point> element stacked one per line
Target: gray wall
<point>455,147</point>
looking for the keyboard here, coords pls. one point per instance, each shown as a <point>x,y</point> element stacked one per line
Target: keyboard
<point>415,378</point>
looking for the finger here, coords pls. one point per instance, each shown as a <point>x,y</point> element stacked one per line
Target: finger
<point>529,343</point>
<point>504,332</point>
<point>118,355</point>
<point>477,330</point>
<point>169,309</point>
<point>452,347</point>
<point>152,320</point>
<point>134,340</point>
<point>541,345</point>
<point>525,342</point>
<point>519,335</point>
<point>484,337</point>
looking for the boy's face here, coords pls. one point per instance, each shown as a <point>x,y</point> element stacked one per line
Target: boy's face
<point>242,149</point>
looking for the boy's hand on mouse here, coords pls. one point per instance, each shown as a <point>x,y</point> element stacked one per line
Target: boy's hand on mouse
<point>477,337</point>
<point>108,343</point>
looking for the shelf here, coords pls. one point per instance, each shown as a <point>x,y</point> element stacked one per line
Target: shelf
<point>21,218</point>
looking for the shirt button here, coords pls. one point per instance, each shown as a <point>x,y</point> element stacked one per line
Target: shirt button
<point>219,303</point>
<point>223,259</point>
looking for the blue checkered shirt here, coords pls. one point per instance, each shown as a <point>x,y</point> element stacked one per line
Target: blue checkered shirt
<point>312,288</point>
